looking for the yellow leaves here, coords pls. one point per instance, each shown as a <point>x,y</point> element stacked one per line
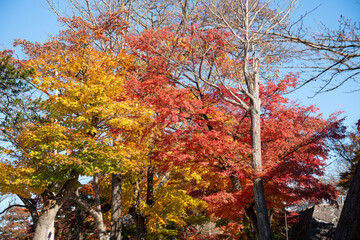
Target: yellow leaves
<point>171,205</point>
<point>36,81</point>
<point>13,179</point>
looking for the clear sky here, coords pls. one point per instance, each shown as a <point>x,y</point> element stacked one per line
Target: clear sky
<point>32,20</point>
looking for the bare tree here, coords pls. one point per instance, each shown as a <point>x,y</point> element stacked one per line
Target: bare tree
<point>332,56</point>
<point>141,15</point>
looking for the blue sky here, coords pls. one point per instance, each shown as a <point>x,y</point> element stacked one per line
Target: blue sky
<point>32,20</point>
<point>344,98</point>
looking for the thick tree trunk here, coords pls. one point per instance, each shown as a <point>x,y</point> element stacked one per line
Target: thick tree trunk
<point>348,227</point>
<point>259,195</point>
<point>141,230</point>
<point>261,210</point>
<point>45,224</point>
<point>115,233</point>
<point>101,228</point>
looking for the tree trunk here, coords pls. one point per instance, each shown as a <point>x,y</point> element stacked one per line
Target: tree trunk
<point>98,218</point>
<point>79,224</point>
<point>140,222</point>
<point>348,227</point>
<point>115,233</point>
<point>101,228</point>
<point>261,210</point>
<point>140,228</point>
<point>139,218</point>
<point>45,225</point>
<point>259,195</point>
<point>150,186</point>
<point>253,220</point>
<point>95,213</point>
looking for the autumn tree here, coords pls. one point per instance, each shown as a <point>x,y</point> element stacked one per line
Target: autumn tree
<point>215,142</point>
<point>248,24</point>
<point>73,135</point>
<point>15,223</point>
<point>90,126</point>
<point>17,105</point>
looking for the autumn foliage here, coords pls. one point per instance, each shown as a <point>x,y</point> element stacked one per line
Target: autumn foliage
<point>182,150</point>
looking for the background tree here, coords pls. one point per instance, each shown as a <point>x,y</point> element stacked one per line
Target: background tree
<point>15,224</point>
<point>331,55</point>
<point>347,152</point>
<point>17,105</point>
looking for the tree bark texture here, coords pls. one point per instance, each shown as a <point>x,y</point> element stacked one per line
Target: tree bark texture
<point>253,83</point>
<point>259,194</point>
<point>79,224</point>
<point>348,227</point>
<point>141,230</point>
<point>100,225</point>
<point>116,214</point>
<point>45,225</point>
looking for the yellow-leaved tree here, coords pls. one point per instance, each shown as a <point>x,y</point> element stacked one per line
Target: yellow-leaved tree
<point>83,100</point>
<point>91,122</point>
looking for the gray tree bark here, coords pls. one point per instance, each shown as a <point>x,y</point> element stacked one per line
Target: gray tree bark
<point>45,226</point>
<point>116,214</point>
<point>95,213</point>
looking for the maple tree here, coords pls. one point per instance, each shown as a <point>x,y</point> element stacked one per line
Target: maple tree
<point>248,44</point>
<point>151,192</point>
<point>215,144</point>
<point>162,125</point>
